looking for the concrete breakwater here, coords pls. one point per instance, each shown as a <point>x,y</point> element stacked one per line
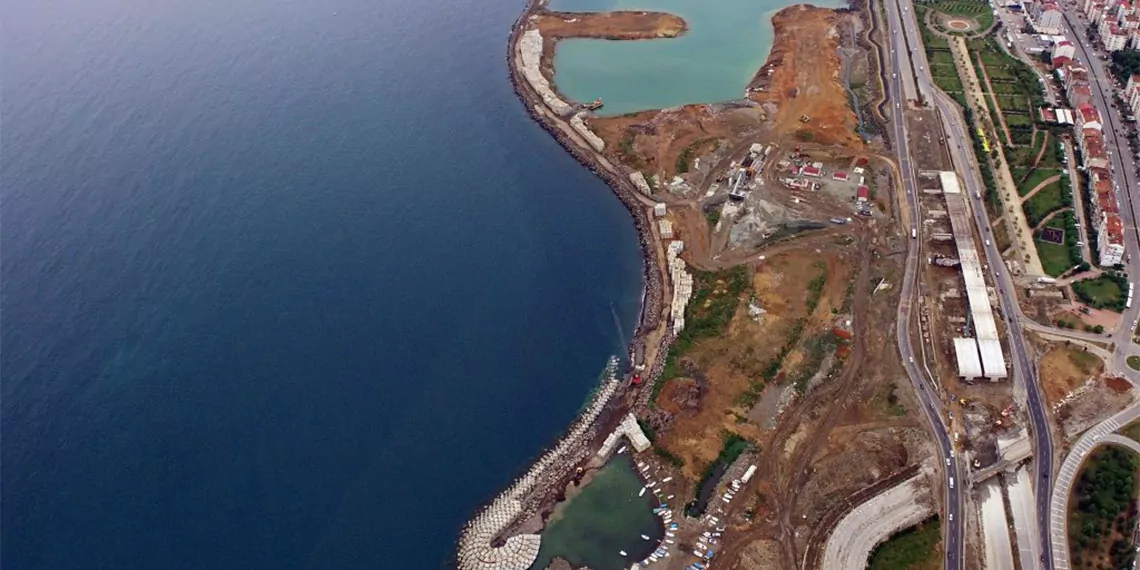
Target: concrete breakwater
<point>482,545</point>
<point>479,545</point>
<point>650,316</point>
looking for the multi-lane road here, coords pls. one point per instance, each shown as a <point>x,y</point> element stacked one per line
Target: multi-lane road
<point>901,16</point>
<point>910,80</point>
<point>901,75</point>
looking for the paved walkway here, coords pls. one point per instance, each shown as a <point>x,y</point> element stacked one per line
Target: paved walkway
<point>1038,188</point>
<point>993,97</point>
<point>1020,235</point>
<point>1050,217</point>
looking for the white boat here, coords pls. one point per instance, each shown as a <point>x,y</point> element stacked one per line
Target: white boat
<point>644,537</point>
<point>642,492</point>
<point>667,479</point>
<point>622,552</point>
<point>622,450</point>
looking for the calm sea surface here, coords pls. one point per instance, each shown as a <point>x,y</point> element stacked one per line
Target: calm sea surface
<point>727,42</point>
<point>288,284</point>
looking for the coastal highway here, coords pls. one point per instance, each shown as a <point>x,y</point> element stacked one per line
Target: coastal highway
<point>926,392</point>
<point>959,144</point>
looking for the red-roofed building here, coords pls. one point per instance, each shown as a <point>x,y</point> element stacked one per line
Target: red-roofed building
<point>1079,94</point>
<point>1106,203</point>
<point>1087,117</point>
<point>840,176</point>
<point>1093,152</point>
<point>863,193</point>
<point>1110,239</point>
<point>811,171</point>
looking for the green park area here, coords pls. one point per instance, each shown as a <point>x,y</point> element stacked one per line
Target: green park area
<point>1105,292</point>
<point>1101,514</point>
<point>916,548</point>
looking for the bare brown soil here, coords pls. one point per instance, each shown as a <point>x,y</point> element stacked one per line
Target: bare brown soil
<point>651,141</point>
<point>729,363</point>
<point>801,78</point>
<point>609,25</point>
<point>1063,369</point>
<point>852,421</point>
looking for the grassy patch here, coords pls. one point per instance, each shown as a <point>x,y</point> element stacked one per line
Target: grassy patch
<point>1046,201</point>
<point>685,159</point>
<point>1034,178</point>
<point>912,549</point>
<point>980,12</point>
<point>715,298</point>
<point>1105,292</point>
<point>1054,257</point>
<point>1134,363</point>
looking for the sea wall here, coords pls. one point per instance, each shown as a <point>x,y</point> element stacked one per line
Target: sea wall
<point>482,545</point>
<point>479,544</point>
<point>623,188</point>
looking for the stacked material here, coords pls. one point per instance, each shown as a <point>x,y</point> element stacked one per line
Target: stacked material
<point>682,285</point>
<point>580,125</point>
<point>530,48</point>
<point>639,181</point>
<point>628,428</point>
<point>476,550</point>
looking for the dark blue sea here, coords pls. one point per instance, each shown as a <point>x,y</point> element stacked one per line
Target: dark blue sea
<point>285,284</point>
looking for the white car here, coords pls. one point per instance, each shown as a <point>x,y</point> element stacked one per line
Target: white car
<point>947,461</point>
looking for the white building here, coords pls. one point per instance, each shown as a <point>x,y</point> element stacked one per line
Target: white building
<point>1047,18</point>
<point>1110,239</point>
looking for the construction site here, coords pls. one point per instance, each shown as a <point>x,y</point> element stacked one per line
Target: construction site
<point>771,413</point>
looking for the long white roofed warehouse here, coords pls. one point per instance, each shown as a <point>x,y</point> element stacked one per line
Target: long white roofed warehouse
<point>987,359</point>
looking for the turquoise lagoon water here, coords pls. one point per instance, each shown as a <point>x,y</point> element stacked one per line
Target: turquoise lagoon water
<point>727,41</point>
<point>604,519</point>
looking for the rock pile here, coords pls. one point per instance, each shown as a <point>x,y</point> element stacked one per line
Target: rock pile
<point>477,550</point>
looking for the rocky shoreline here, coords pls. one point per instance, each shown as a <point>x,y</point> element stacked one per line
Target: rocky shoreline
<point>536,509</point>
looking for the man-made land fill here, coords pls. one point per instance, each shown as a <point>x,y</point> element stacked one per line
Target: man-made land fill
<point>726,42</point>
<point>607,517</point>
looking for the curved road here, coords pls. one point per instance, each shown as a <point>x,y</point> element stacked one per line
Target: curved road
<point>1099,435</point>
<point>930,401</point>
